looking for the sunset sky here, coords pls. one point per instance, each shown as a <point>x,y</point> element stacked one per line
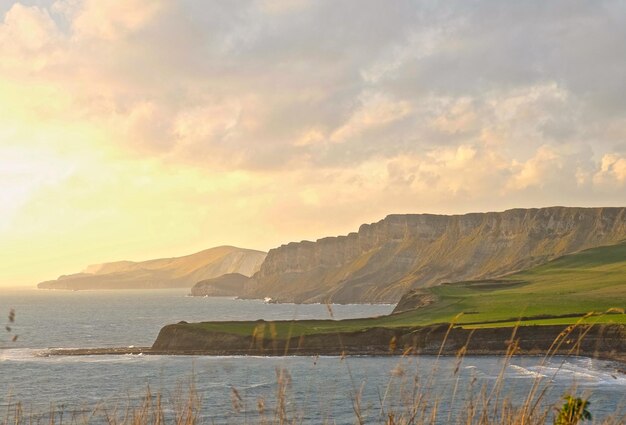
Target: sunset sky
<point>137,129</point>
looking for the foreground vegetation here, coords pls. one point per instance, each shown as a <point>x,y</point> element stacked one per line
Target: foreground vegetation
<point>186,409</point>
<point>559,292</point>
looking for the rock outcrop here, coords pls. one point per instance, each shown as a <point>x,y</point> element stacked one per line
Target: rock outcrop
<point>180,272</point>
<point>414,299</point>
<point>384,260</point>
<point>228,285</point>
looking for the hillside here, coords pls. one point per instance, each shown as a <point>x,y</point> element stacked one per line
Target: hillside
<point>553,295</point>
<point>228,285</point>
<point>179,272</point>
<point>568,287</point>
<point>591,280</point>
<point>384,260</point>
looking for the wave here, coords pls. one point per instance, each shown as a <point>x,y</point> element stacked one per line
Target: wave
<point>523,372</point>
<point>260,385</point>
<point>582,371</point>
<point>19,354</point>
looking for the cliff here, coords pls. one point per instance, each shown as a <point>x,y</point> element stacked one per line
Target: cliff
<point>228,285</point>
<point>384,260</point>
<point>603,341</point>
<point>179,272</point>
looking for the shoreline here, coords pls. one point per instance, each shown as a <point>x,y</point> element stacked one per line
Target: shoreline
<point>190,295</point>
<point>605,342</point>
<point>599,341</point>
<point>148,351</point>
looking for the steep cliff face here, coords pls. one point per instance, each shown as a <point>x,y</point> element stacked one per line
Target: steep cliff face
<point>602,341</point>
<point>179,272</point>
<point>228,285</point>
<point>382,261</point>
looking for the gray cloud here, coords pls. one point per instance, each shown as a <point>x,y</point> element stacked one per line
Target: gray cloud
<point>268,85</point>
<point>257,122</point>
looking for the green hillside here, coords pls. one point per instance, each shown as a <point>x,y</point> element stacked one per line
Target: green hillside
<point>592,280</point>
<point>564,290</point>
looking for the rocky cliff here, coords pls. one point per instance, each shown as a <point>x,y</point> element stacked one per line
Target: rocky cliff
<point>384,260</point>
<point>607,341</point>
<point>228,285</point>
<point>179,272</point>
<point>602,341</point>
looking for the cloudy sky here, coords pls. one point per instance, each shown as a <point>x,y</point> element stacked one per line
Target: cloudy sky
<point>134,129</point>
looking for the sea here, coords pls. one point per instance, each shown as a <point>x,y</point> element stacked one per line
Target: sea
<point>254,389</point>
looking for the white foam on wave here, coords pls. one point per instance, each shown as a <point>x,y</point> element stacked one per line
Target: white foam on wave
<point>595,374</point>
<point>523,372</point>
<point>30,355</point>
<point>583,371</point>
<point>109,358</point>
<point>259,385</point>
<point>568,372</point>
<point>19,354</point>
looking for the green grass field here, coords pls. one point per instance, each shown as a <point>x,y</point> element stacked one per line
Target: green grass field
<point>590,281</point>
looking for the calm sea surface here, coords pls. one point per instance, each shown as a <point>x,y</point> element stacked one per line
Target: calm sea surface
<point>232,387</point>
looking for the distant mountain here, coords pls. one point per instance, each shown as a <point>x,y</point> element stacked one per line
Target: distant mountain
<point>179,272</point>
<point>384,260</point>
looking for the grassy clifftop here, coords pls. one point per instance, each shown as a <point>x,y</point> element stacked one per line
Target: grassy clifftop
<point>591,280</point>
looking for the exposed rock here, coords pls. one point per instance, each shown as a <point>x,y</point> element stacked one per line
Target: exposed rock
<point>415,299</point>
<point>384,260</point>
<point>602,341</point>
<point>180,272</point>
<point>228,285</point>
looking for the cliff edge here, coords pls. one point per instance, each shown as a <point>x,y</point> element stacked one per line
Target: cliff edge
<point>384,260</point>
<point>599,341</point>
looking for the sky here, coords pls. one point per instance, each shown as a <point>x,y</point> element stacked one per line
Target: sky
<point>138,129</point>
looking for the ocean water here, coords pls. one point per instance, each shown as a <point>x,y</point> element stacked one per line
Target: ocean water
<point>232,388</point>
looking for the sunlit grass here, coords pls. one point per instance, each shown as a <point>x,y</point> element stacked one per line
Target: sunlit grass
<point>601,319</point>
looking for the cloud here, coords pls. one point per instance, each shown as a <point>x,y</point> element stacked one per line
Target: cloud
<point>28,39</point>
<point>459,116</point>
<point>27,29</point>
<point>612,170</point>
<point>282,6</point>
<point>305,118</point>
<point>535,171</point>
<point>262,82</point>
<point>110,19</point>
<point>375,111</point>
<point>424,75</point>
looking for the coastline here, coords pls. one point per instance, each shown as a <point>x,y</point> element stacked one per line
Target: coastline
<point>148,351</point>
<point>605,342</point>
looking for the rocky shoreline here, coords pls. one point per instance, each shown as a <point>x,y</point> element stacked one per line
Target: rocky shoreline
<point>606,342</point>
